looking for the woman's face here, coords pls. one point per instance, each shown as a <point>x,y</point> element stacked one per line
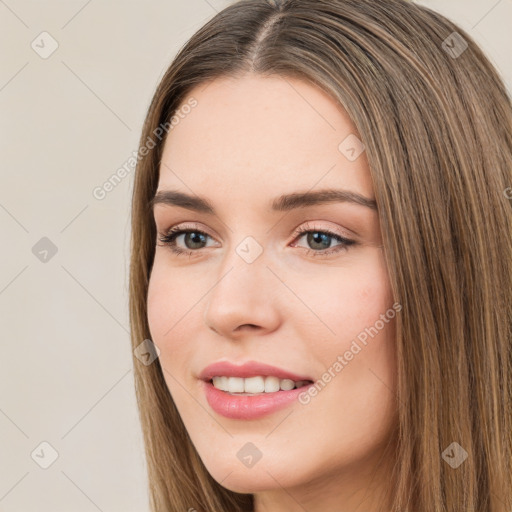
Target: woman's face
<point>256,289</point>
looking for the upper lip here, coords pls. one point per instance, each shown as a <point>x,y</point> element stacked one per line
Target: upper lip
<point>248,369</point>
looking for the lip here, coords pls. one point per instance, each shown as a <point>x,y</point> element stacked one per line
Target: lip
<point>248,369</point>
<point>248,407</point>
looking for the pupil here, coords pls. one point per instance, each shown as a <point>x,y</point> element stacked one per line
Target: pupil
<point>321,238</point>
<point>196,238</point>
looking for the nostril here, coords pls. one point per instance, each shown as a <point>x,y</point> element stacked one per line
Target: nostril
<point>247,327</point>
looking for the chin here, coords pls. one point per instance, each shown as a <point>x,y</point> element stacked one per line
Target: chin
<point>263,475</point>
<point>248,481</point>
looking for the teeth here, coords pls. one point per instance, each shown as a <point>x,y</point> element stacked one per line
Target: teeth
<point>235,384</point>
<point>271,384</point>
<point>254,385</point>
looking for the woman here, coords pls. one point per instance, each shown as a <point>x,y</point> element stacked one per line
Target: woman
<point>322,261</point>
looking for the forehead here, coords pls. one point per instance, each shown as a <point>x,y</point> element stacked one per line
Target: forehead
<point>260,136</point>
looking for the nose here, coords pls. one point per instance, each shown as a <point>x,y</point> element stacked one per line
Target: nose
<point>244,299</point>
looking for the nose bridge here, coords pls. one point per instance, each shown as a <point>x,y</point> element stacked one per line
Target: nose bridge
<point>243,273</point>
<point>243,291</point>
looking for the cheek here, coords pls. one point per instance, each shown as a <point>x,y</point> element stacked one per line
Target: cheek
<point>170,298</point>
<point>359,359</point>
<point>358,325</point>
<point>347,300</point>
<point>371,292</point>
<point>171,314</point>
<point>158,302</point>
<point>171,318</point>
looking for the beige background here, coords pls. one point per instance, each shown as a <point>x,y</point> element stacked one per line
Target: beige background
<point>68,122</point>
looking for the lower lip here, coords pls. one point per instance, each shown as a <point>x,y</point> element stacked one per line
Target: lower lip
<point>246,407</point>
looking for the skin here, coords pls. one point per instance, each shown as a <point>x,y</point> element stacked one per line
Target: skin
<point>249,140</point>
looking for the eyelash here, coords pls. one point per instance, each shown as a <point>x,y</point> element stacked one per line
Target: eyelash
<point>169,239</point>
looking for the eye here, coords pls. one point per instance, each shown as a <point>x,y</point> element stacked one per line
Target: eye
<point>319,239</point>
<point>192,238</point>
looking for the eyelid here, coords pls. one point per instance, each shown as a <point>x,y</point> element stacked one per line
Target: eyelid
<point>197,226</point>
<point>297,231</point>
<point>310,225</point>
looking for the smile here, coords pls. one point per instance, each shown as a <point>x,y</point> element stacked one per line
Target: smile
<point>255,385</point>
<point>250,406</point>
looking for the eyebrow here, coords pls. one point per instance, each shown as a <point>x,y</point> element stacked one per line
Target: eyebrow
<point>282,203</point>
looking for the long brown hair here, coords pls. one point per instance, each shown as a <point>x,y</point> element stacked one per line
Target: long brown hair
<point>435,120</point>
